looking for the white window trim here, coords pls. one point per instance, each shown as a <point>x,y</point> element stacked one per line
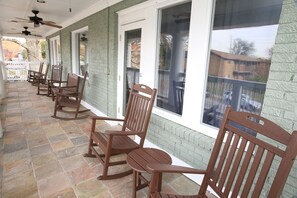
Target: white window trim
<point>54,55</point>
<point>197,63</point>
<point>74,49</point>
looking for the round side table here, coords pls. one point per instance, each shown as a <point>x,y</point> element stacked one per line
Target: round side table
<point>138,160</point>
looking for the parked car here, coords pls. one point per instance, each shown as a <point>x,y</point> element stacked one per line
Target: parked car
<point>246,101</point>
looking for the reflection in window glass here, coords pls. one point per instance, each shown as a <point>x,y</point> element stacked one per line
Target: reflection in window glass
<point>132,61</point>
<point>83,58</point>
<point>242,43</point>
<point>173,48</point>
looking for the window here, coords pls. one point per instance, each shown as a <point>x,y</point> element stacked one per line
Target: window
<point>55,50</point>
<point>174,24</point>
<point>80,51</point>
<point>241,47</point>
<point>131,61</point>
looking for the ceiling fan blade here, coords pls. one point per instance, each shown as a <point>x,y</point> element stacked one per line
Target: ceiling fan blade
<point>13,33</point>
<point>50,24</point>
<point>36,35</point>
<point>21,19</point>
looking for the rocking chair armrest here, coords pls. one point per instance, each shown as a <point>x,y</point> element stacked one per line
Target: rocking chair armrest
<point>167,168</point>
<point>120,133</point>
<point>106,118</point>
<point>67,87</point>
<point>58,94</point>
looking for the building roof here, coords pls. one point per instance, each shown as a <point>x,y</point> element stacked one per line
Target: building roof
<point>229,56</point>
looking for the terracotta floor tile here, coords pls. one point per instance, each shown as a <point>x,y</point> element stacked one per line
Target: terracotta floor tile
<point>48,169</point>
<point>74,162</point>
<point>65,193</point>
<point>40,160</point>
<point>57,138</point>
<point>17,166</point>
<point>53,130</point>
<point>40,150</point>
<point>68,152</point>
<point>18,155</point>
<point>60,145</point>
<point>37,140</point>
<point>80,140</point>
<point>83,173</point>
<point>92,188</point>
<point>54,184</point>
<point>16,145</point>
<point>22,184</point>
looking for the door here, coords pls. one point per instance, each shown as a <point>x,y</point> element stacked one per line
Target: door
<point>130,61</point>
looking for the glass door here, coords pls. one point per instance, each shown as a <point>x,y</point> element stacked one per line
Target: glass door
<point>129,62</point>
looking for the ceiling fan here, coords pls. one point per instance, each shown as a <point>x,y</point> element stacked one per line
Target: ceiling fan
<point>27,33</point>
<point>37,20</point>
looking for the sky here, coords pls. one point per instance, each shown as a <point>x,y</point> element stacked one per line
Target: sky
<point>263,38</point>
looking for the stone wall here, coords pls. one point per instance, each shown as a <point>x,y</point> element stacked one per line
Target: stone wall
<point>280,102</point>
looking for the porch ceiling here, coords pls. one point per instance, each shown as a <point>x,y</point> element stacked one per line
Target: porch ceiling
<point>52,10</point>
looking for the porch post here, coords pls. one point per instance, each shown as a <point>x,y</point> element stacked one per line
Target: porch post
<point>2,90</point>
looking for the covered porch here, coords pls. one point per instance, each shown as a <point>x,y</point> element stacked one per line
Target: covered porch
<point>42,157</point>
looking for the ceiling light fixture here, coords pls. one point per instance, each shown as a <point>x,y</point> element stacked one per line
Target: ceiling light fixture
<point>40,1</point>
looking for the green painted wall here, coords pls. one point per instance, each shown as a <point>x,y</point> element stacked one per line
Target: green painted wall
<point>100,90</point>
<point>280,102</point>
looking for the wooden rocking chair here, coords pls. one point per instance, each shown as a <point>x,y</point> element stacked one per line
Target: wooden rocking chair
<point>44,86</point>
<point>66,98</point>
<point>33,75</point>
<point>136,121</point>
<point>71,87</point>
<point>240,163</point>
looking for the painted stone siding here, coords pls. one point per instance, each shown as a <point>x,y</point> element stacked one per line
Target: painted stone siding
<point>186,144</point>
<point>100,90</point>
<point>280,102</point>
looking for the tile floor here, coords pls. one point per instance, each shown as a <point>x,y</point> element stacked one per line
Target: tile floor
<point>42,157</point>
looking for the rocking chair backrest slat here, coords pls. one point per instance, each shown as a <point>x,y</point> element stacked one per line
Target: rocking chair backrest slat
<point>40,67</point>
<point>46,71</point>
<point>56,73</point>
<point>139,108</point>
<point>241,163</point>
<point>73,81</point>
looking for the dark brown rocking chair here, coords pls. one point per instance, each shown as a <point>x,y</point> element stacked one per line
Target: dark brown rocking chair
<point>33,75</point>
<point>44,86</point>
<point>71,87</point>
<point>66,98</point>
<point>136,121</point>
<point>240,163</point>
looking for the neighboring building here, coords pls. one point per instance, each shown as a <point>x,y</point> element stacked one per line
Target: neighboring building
<point>195,28</point>
<point>239,67</point>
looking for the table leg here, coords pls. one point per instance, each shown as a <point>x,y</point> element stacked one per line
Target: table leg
<point>160,183</point>
<point>134,184</point>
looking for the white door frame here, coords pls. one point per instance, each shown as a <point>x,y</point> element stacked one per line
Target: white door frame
<point>121,63</point>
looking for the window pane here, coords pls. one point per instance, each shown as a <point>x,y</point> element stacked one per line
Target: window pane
<point>132,61</point>
<point>173,48</point>
<point>242,42</point>
<point>83,58</point>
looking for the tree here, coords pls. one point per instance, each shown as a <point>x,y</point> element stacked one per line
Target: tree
<point>32,48</point>
<point>242,47</point>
